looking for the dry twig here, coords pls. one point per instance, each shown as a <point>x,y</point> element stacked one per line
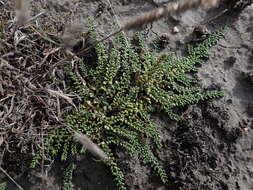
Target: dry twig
<point>169,9</point>
<point>62,95</point>
<point>92,147</point>
<point>11,178</point>
<point>22,13</point>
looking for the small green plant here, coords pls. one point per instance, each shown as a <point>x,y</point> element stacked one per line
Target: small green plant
<point>3,186</point>
<point>67,178</point>
<point>122,89</point>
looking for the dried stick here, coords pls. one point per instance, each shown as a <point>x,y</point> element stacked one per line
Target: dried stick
<point>114,13</point>
<point>115,16</point>
<point>87,143</point>
<point>169,9</point>
<point>11,178</point>
<point>42,158</point>
<point>91,146</point>
<point>173,8</point>
<point>22,13</point>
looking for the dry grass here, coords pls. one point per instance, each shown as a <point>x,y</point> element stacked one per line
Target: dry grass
<point>22,10</point>
<point>169,9</point>
<point>88,144</point>
<point>172,8</point>
<point>31,101</point>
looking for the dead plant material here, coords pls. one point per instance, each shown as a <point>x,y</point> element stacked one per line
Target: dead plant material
<point>22,13</point>
<point>2,170</point>
<point>172,8</point>
<point>71,34</point>
<point>30,102</point>
<point>169,9</point>
<point>90,146</point>
<point>62,95</point>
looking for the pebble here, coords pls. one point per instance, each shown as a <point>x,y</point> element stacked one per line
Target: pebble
<point>175,30</point>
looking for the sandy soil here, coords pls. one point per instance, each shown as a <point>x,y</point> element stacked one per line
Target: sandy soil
<point>212,148</point>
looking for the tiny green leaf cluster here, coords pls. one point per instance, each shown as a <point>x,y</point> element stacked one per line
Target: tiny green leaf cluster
<point>3,186</point>
<point>123,86</point>
<point>67,178</point>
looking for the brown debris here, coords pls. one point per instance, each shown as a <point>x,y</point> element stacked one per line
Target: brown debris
<point>173,8</point>
<point>92,147</point>
<point>71,34</point>
<point>22,9</point>
<point>32,102</point>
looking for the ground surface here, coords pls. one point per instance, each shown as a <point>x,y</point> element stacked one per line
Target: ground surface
<point>212,148</point>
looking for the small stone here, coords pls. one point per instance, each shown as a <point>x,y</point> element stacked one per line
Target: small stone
<point>200,33</point>
<point>165,36</point>
<point>201,30</point>
<point>175,30</point>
